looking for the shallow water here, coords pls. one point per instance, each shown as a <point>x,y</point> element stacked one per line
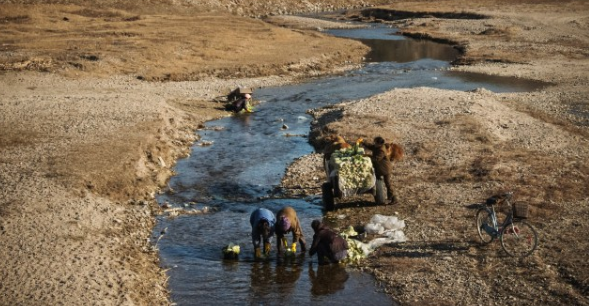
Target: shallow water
<point>247,160</point>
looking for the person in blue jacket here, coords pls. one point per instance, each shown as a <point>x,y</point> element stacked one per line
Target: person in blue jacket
<point>263,223</point>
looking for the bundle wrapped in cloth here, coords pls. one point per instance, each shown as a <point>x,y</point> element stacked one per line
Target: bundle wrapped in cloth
<point>353,170</point>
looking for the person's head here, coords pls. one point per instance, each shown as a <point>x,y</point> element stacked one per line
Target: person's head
<point>247,96</point>
<point>315,225</point>
<point>264,229</point>
<point>283,225</point>
<point>379,140</point>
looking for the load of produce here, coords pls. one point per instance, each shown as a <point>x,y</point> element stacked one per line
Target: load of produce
<point>356,249</point>
<point>354,170</point>
<point>389,226</point>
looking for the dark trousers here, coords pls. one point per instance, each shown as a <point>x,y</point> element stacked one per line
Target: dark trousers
<point>326,256</point>
<point>388,182</point>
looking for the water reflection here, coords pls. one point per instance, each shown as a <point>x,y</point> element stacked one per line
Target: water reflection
<point>328,279</point>
<point>262,278</point>
<point>480,78</point>
<point>405,51</point>
<point>388,46</point>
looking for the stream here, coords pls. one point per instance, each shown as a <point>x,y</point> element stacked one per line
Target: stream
<point>245,163</point>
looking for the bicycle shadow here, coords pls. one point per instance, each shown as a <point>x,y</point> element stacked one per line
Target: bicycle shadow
<point>426,249</point>
<point>450,247</point>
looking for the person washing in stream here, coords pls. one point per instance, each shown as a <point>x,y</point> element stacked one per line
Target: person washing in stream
<point>263,223</point>
<point>240,100</point>
<point>287,221</point>
<point>329,246</point>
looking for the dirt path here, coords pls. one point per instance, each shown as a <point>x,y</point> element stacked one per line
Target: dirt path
<point>86,142</point>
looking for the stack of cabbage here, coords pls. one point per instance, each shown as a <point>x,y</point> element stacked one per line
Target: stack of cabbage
<point>356,249</point>
<point>354,170</point>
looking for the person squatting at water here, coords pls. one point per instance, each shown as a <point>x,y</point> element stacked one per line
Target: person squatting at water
<point>329,246</point>
<point>242,104</point>
<point>287,221</point>
<point>263,223</point>
<point>383,167</point>
<point>240,100</point>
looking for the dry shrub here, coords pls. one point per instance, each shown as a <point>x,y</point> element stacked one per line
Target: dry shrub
<point>471,128</point>
<point>482,167</point>
<point>98,13</point>
<point>571,127</point>
<point>507,32</point>
<point>424,152</point>
<point>15,19</point>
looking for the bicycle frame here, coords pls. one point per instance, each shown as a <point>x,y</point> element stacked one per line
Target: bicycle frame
<point>518,238</point>
<point>495,229</point>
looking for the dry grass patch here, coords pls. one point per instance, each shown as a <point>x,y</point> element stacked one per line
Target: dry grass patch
<point>11,137</point>
<point>169,44</point>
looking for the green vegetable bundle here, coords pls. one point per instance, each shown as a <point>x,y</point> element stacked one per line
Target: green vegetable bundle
<point>356,249</point>
<point>354,170</point>
<point>231,251</point>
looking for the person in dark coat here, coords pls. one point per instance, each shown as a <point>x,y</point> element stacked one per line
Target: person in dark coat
<point>286,222</point>
<point>329,246</point>
<point>242,103</point>
<point>382,165</point>
<point>239,100</point>
<point>263,224</point>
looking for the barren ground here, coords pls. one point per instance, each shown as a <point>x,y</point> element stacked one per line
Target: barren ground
<point>99,101</point>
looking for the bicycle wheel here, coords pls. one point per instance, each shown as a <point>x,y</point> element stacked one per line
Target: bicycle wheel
<point>519,239</point>
<point>484,222</point>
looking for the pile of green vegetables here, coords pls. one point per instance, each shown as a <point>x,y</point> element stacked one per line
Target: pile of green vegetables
<point>356,249</point>
<point>354,170</point>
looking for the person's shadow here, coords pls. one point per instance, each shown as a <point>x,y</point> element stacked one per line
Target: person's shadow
<point>328,279</point>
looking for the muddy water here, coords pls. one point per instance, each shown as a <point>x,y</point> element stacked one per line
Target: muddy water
<point>243,167</point>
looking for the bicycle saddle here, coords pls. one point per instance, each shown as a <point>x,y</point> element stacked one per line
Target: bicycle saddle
<point>494,200</point>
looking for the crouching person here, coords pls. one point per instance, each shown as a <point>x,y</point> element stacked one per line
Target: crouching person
<point>288,222</point>
<point>263,222</point>
<point>329,246</point>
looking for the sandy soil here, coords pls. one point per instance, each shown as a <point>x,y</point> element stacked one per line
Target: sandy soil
<point>98,102</point>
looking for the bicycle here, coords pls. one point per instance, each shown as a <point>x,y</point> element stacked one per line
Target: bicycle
<point>518,238</point>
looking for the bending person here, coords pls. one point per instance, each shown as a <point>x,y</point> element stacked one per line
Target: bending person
<point>329,246</point>
<point>286,222</point>
<point>263,223</point>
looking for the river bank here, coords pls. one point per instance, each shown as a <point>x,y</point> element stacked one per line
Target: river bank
<point>84,151</point>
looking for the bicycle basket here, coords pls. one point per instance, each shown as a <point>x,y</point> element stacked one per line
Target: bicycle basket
<point>520,210</point>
